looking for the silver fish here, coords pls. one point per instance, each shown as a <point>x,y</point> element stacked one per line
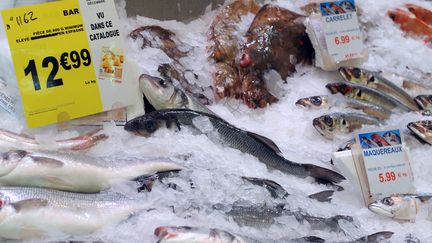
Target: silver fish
<point>277,191</point>
<point>403,207</point>
<point>10,140</point>
<point>376,81</point>
<point>28,213</point>
<point>162,94</point>
<point>325,101</point>
<point>424,101</point>
<point>331,124</point>
<point>364,93</point>
<point>186,234</point>
<point>74,172</point>
<point>258,146</point>
<point>422,130</point>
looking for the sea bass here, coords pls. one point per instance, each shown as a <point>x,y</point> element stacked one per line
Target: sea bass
<point>403,207</point>
<point>331,124</point>
<point>376,81</point>
<point>424,101</point>
<point>258,146</point>
<point>422,130</point>
<point>74,172</point>
<point>367,94</point>
<point>28,213</point>
<point>277,191</point>
<point>186,234</point>
<point>326,101</point>
<point>10,140</point>
<point>162,94</point>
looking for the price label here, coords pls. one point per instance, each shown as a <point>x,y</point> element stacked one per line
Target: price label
<point>386,163</point>
<point>342,31</point>
<point>68,59</point>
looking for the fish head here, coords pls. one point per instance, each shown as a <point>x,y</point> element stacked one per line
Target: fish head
<point>422,129</point>
<point>396,207</point>
<point>179,234</point>
<point>342,88</point>
<point>10,160</point>
<point>162,93</point>
<point>327,125</point>
<point>424,101</point>
<point>144,125</point>
<point>356,75</point>
<point>313,102</point>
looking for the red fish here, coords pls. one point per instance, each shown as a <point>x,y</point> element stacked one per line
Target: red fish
<point>379,140</point>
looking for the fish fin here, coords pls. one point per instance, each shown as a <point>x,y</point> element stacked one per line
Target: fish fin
<point>312,239</point>
<point>271,186</point>
<point>29,204</point>
<point>322,174</point>
<point>324,196</point>
<point>48,162</point>
<point>267,142</point>
<point>424,198</point>
<point>145,183</point>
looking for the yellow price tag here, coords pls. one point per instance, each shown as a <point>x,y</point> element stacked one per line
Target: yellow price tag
<point>53,62</point>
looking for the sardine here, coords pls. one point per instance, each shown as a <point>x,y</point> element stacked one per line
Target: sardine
<point>367,94</point>
<point>403,207</point>
<point>424,101</point>
<point>162,94</point>
<point>34,213</point>
<point>74,172</point>
<point>376,81</point>
<point>258,146</point>
<point>325,101</point>
<point>422,130</point>
<point>10,140</point>
<point>277,191</point>
<point>331,124</point>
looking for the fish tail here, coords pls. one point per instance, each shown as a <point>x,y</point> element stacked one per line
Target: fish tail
<point>89,141</point>
<point>324,175</point>
<point>324,196</point>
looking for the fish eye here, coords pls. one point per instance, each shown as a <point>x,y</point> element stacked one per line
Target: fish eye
<point>372,79</point>
<point>328,120</point>
<point>388,201</point>
<point>150,126</point>
<point>356,72</point>
<point>344,122</point>
<point>162,83</point>
<point>359,94</point>
<point>316,100</point>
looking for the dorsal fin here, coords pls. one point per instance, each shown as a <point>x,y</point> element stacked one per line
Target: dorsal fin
<point>267,142</point>
<point>424,198</point>
<point>48,162</point>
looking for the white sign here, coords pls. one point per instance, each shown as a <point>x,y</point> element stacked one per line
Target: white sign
<point>342,30</point>
<point>386,163</point>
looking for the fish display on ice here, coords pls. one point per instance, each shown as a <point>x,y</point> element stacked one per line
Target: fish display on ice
<point>403,207</point>
<point>74,172</point>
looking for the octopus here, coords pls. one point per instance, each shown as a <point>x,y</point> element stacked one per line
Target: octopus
<point>276,39</point>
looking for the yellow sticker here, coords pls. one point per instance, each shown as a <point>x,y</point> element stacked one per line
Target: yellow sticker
<point>53,62</point>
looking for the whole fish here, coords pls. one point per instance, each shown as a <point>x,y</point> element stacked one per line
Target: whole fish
<point>403,207</point>
<point>424,101</point>
<point>379,140</point>
<point>157,37</point>
<point>28,213</point>
<point>10,140</point>
<point>421,13</point>
<point>376,81</point>
<point>258,146</point>
<point>331,124</point>
<point>186,234</point>
<point>162,94</point>
<point>325,101</point>
<point>277,191</point>
<point>392,138</point>
<point>367,94</point>
<point>74,172</point>
<point>261,216</point>
<point>422,130</point>
<point>367,143</point>
<point>410,24</point>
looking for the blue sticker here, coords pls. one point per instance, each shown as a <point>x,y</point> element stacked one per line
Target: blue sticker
<point>338,7</point>
<point>380,139</point>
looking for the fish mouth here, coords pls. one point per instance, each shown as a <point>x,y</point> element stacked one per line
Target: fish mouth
<point>301,102</point>
<point>333,88</point>
<point>379,210</point>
